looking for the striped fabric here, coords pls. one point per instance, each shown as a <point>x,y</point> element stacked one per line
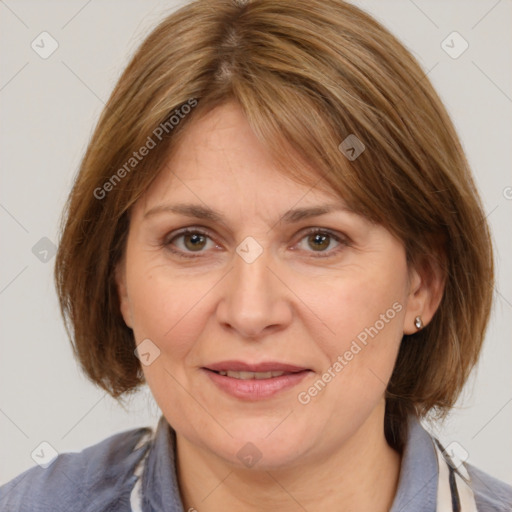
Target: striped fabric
<point>454,493</point>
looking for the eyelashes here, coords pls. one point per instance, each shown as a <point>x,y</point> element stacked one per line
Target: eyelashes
<point>194,234</point>
<point>181,234</point>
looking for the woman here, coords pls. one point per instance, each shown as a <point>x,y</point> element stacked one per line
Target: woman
<point>274,227</point>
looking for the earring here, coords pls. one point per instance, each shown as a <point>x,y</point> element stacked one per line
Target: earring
<point>418,322</point>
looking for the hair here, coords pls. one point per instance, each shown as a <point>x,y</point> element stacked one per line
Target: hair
<point>307,74</point>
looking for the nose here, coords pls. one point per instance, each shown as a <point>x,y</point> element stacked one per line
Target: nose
<point>254,301</point>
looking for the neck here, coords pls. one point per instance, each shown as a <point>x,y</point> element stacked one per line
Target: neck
<point>360,475</point>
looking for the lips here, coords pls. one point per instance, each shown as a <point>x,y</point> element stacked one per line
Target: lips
<point>250,375</point>
<point>255,381</point>
<point>240,366</point>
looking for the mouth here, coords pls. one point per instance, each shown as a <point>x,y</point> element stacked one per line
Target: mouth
<point>255,381</point>
<point>250,375</point>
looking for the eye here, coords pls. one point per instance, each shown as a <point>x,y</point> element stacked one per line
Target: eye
<point>193,240</point>
<point>319,240</point>
<point>188,241</point>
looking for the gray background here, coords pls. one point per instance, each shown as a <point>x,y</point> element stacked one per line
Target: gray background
<point>49,107</point>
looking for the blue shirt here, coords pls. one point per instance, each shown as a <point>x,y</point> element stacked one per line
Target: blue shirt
<point>134,471</point>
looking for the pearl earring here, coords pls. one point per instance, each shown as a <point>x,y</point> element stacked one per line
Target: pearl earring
<point>418,322</point>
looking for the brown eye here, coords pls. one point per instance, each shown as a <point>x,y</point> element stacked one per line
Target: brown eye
<point>322,242</point>
<point>189,241</point>
<point>194,241</point>
<point>319,241</point>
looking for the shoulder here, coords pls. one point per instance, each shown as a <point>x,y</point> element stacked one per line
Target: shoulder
<point>457,482</point>
<point>491,494</point>
<point>99,477</point>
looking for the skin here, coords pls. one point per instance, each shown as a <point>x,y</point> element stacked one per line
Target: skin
<point>296,303</point>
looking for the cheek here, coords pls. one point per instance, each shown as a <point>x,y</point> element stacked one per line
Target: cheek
<point>167,307</point>
<point>364,313</point>
<point>168,310</point>
<point>357,301</point>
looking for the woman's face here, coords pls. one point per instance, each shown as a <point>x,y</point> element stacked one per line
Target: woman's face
<point>261,326</point>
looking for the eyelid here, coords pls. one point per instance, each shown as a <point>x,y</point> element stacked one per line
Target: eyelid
<point>341,238</point>
<point>184,231</point>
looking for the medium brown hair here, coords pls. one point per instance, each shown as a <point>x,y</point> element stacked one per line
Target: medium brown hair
<point>307,74</point>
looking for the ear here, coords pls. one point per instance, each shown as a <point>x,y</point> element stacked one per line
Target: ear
<point>122,292</point>
<point>426,286</point>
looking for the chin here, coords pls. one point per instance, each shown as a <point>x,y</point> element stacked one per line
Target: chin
<point>262,445</point>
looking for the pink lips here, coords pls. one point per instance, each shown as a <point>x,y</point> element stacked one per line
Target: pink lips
<point>255,389</point>
<point>240,366</point>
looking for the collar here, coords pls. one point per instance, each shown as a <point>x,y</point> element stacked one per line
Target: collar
<point>417,484</point>
<point>159,490</point>
<point>432,479</point>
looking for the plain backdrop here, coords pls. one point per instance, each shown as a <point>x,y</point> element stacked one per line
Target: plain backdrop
<point>49,107</point>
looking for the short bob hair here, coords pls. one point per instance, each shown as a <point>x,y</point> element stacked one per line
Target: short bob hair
<point>307,74</point>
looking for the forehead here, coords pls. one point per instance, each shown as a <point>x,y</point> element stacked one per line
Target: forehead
<point>219,158</point>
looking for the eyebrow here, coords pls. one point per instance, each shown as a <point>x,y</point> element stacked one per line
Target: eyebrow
<point>204,212</point>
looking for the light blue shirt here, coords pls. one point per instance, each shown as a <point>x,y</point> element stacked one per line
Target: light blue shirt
<point>134,471</point>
